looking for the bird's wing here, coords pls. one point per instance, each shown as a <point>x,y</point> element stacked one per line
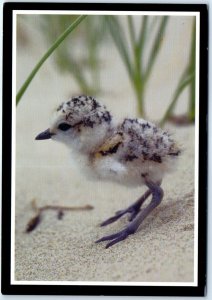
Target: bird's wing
<point>110,146</point>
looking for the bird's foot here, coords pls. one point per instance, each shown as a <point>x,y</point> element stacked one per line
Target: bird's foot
<point>157,195</point>
<point>117,237</point>
<point>133,210</point>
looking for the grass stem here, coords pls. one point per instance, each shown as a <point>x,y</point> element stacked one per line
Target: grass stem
<point>47,54</point>
<point>182,85</point>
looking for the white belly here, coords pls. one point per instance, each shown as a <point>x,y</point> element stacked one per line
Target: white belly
<point>129,174</point>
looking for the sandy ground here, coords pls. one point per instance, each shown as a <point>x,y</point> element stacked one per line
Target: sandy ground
<point>163,248</point>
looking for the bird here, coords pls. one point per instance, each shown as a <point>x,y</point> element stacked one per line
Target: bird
<point>132,152</point>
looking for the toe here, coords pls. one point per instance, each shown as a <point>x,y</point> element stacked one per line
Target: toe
<point>118,215</point>
<point>116,237</point>
<point>109,237</point>
<point>117,240</point>
<point>109,221</point>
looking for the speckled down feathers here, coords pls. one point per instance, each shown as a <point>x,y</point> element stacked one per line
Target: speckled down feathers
<point>83,110</point>
<point>125,152</point>
<point>143,140</point>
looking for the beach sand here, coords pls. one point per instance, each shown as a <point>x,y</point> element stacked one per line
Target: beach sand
<point>64,250</point>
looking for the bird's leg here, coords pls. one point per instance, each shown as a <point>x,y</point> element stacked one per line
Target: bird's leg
<point>133,210</point>
<point>157,195</point>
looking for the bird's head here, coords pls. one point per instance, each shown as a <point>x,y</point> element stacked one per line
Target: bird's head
<point>81,121</point>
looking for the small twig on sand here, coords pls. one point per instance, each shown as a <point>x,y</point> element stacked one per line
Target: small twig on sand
<point>35,221</point>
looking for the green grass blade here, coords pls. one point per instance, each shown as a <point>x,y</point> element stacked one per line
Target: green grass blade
<point>119,40</point>
<point>156,46</point>
<point>153,23</point>
<point>142,34</point>
<point>192,66</point>
<point>131,30</point>
<point>47,54</point>
<point>140,47</point>
<point>181,86</point>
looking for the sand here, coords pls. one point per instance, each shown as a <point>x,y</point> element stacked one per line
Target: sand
<point>64,250</point>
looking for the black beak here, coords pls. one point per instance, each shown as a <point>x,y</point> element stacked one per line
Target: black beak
<point>44,135</point>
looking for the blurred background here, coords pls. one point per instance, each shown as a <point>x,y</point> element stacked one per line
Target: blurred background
<point>132,60</point>
<point>138,66</point>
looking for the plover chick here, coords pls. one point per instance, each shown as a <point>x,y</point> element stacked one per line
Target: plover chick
<point>132,153</point>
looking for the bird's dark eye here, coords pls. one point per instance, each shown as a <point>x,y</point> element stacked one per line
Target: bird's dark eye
<point>64,126</point>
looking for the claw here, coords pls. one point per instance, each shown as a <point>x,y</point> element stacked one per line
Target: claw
<point>115,241</point>
<point>116,237</point>
<point>109,237</point>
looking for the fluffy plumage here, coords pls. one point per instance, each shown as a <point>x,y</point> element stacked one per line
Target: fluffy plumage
<point>132,153</point>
